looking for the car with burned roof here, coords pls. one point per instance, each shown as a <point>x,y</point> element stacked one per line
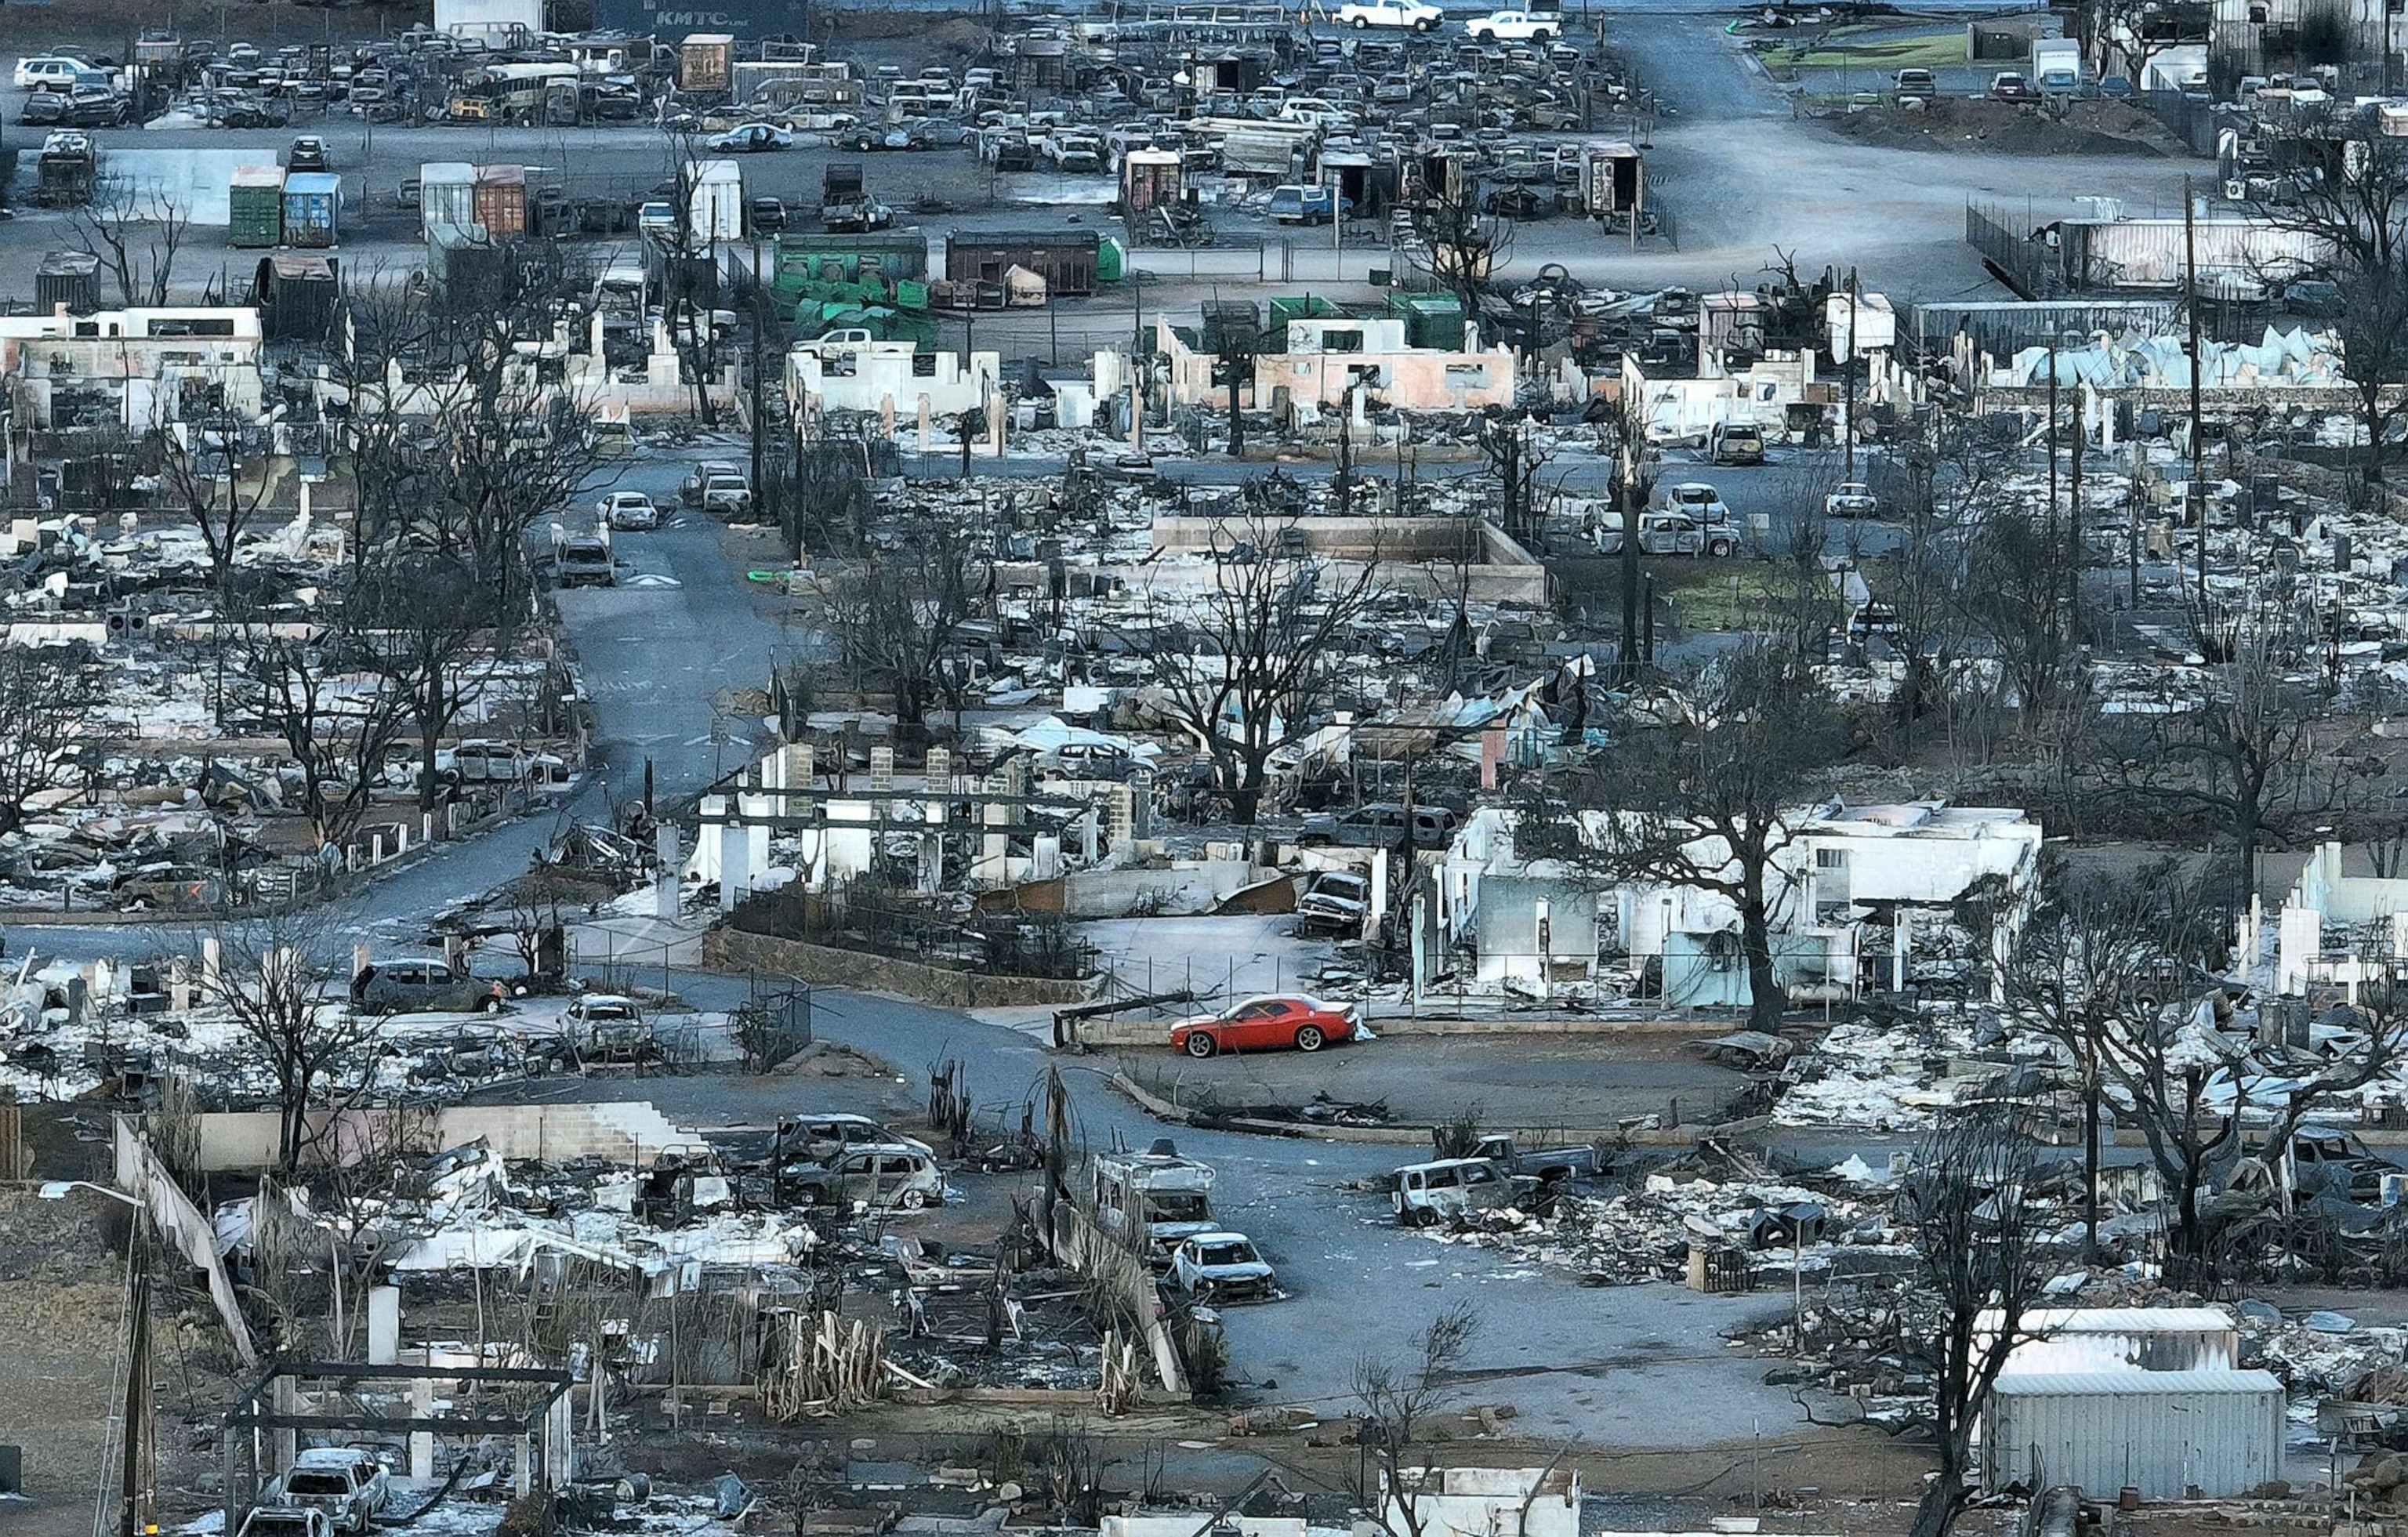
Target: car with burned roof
<point>817,1138</point>
<point>887,1177</point>
<point>420,987</point>
<point>171,887</point>
<point>1669,534</point>
<point>583,559</point>
<point>1443,1189</point>
<point>1222,1267</point>
<point>608,1027</point>
<point>1380,823</point>
<point>348,1486</point>
<point>285,1521</point>
<point>1333,905</point>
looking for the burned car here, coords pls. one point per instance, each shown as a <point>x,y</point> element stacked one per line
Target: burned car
<point>423,986</point>
<point>1333,906</point>
<point>1444,1189</point>
<point>896,1178</point>
<point>817,1138</point>
<point>607,1027</point>
<point>347,1486</point>
<point>1222,1267</point>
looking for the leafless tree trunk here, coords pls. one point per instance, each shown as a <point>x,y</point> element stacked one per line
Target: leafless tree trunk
<point>271,982</point>
<point>1397,1401</point>
<point>1977,1250</point>
<point>1243,666</point>
<point>136,237</point>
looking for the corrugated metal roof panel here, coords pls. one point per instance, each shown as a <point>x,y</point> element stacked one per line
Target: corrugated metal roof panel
<point>2156,1383</point>
<point>2063,1321</point>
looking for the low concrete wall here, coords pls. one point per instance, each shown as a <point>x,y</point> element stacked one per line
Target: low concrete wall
<point>734,950</point>
<point>1105,1034</point>
<point>1185,889</point>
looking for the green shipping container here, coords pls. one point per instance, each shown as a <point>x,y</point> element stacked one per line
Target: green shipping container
<point>1301,307</point>
<point>255,207</point>
<point>1431,319</point>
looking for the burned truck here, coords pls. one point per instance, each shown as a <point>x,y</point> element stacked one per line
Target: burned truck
<point>1152,1200</point>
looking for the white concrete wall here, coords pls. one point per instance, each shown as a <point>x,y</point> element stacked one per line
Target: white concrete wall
<point>882,377</point>
<point>630,1129</point>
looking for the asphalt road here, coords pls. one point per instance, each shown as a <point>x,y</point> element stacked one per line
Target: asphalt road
<point>1628,1367</point>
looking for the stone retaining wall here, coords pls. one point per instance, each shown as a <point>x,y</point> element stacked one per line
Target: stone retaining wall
<point>734,950</point>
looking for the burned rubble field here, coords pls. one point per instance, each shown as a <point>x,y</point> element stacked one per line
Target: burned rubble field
<point>1992,128</point>
<point>1203,770</point>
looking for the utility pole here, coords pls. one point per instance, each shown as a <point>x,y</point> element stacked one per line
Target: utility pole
<point>2053,351</point>
<point>1848,378</point>
<point>2073,549</point>
<point>135,1432</point>
<point>2197,497</point>
<point>2133,534</point>
<point>1632,499</point>
<point>760,324</point>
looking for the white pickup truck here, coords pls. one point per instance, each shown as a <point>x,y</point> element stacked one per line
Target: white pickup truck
<point>1412,14</point>
<point>1515,26</point>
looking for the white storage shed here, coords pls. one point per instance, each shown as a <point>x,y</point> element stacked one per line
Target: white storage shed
<point>2162,1433</point>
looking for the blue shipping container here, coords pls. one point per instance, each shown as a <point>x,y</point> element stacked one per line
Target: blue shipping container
<point>313,202</point>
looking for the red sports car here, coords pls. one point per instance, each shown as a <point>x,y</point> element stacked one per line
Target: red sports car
<point>1267,1024</point>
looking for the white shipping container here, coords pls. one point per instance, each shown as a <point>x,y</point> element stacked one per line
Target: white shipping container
<point>717,208</point>
<point>2152,253</point>
<point>447,194</point>
<point>2161,1432</point>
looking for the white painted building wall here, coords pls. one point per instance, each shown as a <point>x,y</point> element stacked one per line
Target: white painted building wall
<point>891,376</point>
<point>1487,1502</point>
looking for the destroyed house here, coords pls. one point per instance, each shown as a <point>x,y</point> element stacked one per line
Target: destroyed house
<point>889,376</point>
<point>137,370</point>
<point>1484,1502</point>
<point>1842,869</point>
<point>2252,37</point>
<point>1320,360</point>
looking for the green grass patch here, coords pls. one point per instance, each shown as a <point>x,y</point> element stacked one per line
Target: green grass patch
<point>1839,50</point>
<point>1718,594</point>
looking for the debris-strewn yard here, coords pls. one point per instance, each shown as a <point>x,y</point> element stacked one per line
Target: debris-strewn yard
<point>62,1311</point>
